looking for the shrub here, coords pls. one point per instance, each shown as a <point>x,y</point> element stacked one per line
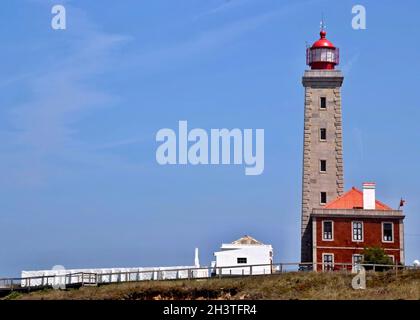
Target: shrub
<point>376,255</point>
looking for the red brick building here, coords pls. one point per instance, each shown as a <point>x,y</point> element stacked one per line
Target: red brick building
<point>352,222</point>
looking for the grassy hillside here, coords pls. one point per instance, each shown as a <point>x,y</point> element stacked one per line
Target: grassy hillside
<point>405,285</point>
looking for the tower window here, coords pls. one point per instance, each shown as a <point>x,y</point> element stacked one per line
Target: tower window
<point>323,165</point>
<point>323,197</point>
<point>323,103</point>
<point>323,134</point>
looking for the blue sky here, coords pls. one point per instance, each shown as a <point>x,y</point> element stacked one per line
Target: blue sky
<point>79,110</point>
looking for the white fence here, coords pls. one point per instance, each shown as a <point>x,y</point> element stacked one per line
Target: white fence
<point>103,276</point>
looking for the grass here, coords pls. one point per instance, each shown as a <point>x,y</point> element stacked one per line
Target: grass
<point>293,285</point>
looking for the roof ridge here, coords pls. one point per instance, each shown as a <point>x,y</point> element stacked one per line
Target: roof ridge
<point>340,197</point>
<point>383,204</point>
<point>247,240</point>
<point>355,202</point>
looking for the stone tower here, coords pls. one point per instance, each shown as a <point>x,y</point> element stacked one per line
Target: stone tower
<point>322,178</point>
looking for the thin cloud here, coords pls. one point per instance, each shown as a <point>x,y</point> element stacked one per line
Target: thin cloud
<point>120,143</point>
<point>202,44</point>
<point>224,6</point>
<point>347,67</point>
<point>59,97</point>
<point>46,125</point>
<point>15,79</point>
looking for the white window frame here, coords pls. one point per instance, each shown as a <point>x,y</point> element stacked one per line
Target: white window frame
<point>392,258</point>
<point>352,233</point>
<point>382,231</point>
<point>332,263</point>
<point>332,230</point>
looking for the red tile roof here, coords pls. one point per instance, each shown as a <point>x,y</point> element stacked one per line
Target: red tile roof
<point>352,199</point>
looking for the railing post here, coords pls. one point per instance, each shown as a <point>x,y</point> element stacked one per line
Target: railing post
<point>220,272</point>
<point>250,270</point>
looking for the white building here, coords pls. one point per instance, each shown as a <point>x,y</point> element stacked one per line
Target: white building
<point>242,256</point>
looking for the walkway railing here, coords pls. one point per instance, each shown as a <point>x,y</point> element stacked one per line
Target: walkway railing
<point>89,278</point>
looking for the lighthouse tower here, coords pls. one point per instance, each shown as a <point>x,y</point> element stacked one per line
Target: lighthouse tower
<point>322,178</point>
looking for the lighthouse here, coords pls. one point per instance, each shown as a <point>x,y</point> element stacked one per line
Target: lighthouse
<point>322,178</point>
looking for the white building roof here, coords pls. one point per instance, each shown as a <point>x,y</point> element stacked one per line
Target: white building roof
<point>247,240</point>
<point>244,242</point>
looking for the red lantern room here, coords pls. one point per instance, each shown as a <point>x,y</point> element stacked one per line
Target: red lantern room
<point>323,54</point>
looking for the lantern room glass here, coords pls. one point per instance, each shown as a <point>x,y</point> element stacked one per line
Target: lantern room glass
<point>323,55</point>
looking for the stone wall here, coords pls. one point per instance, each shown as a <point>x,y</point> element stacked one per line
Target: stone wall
<point>320,83</point>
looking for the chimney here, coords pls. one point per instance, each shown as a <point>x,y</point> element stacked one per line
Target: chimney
<point>196,259</point>
<point>369,196</point>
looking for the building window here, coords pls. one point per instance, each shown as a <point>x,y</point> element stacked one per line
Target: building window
<point>392,257</point>
<point>327,230</point>
<point>387,232</point>
<point>357,259</point>
<point>357,227</point>
<point>327,261</point>
<point>242,260</point>
<point>323,199</point>
<point>323,103</point>
<point>323,134</point>
<point>323,165</point>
